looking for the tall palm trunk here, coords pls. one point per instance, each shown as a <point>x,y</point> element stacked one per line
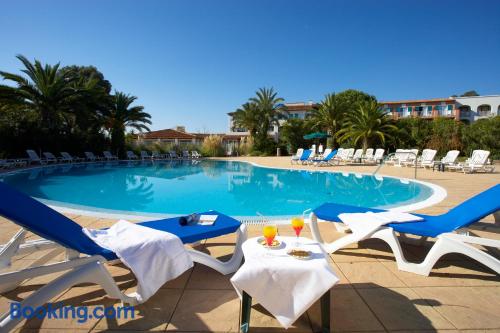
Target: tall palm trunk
<point>365,144</point>
<point>118,140</point>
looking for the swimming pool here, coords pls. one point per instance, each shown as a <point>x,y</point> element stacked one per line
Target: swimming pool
<point>239,189</point>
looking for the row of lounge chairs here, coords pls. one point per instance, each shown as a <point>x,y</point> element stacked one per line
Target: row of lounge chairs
<point>409,158</point>
<point>84,259</point>
<point>65,157</point>
<point>401,158</point>
<point>339,156</point>
<point>157,156</point>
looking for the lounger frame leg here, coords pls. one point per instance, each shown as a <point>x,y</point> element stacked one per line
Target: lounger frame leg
<point>496,215</point>
<point>246,308</point>
<point>229,266</point>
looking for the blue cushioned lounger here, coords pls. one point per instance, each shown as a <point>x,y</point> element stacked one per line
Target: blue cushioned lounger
<point>440,226</point>
<point>85,258</point>
<point>327,159</point>
<point>305,155</point>
<point>52,225</point>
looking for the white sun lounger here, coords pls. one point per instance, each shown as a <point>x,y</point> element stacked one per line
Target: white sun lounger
<point>427,158</point>
<point>173,154</point>
<point>446,228</point>
<point>91,157</point>
<point>368,155</point>
<point>131,155</point>
<point>315,159</point>
<point>296,157</point>
<point>85,260</point>
<point>66,157</point>
<point>145,155</point>
<point>477,162</point>
<point>108,156</point>
<point>34,158</point>
<point>376,158</point>
<point>447,160</point>
<point>49,157</point>
<point>356,157</point>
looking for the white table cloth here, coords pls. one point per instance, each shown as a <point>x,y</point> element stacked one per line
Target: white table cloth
<point>282,284</point>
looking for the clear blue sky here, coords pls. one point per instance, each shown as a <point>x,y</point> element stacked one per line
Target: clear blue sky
<point>191,62</point>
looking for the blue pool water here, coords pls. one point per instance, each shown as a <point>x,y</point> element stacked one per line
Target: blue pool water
<point>183,187</point>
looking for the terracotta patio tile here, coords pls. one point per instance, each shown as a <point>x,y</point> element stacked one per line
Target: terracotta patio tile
<point>449,273</point>
<point>204,277</point>
<point>206,310</point>
<point>348,312</point>
<point>349,255</point>
<point>48,330</point>
<point>153,315</point>
<point>16,295</point>
<point>101,223</point>
<point>221,247</point>
<point>89,297</point>
<point>180,282</point>
<point>343,281</point>
<point>466,307</point>
<point>262,321</point>
<point>402,308</point>
<point>369,274</point>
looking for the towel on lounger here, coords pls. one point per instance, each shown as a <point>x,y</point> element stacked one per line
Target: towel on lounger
<point>154,256</point>
<point>364,224</point>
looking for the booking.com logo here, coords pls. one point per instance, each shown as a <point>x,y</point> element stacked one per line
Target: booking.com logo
<point>80,313</point>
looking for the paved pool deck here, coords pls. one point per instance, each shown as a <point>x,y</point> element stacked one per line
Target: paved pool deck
<point>372,296</point>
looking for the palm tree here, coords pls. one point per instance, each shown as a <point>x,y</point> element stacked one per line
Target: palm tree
<point>367,124</point>
<point>269,109</point>
<point>47,90</point>
<point>246,117</point>
<point>123,115</point>
<point>329,115</point>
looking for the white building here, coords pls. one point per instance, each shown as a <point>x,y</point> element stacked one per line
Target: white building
<point>473,108</point>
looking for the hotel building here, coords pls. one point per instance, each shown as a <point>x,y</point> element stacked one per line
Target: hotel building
<point>467,109</point>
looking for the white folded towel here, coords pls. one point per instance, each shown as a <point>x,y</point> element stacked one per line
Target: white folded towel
<point>154,256</point>
<point>363,224</point>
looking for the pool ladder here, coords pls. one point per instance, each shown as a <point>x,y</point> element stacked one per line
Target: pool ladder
<point>382,162</point>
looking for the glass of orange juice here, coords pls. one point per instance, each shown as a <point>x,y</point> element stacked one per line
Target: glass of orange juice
<point>269,232</point>
<point>297,225</point>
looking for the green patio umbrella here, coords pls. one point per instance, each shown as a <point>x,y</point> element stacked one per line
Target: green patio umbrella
<point>316,135</point>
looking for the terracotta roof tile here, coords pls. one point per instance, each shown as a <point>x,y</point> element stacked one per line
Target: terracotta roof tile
<point>167,134</point>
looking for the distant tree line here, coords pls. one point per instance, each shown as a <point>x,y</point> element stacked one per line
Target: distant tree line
<point>72,108</point>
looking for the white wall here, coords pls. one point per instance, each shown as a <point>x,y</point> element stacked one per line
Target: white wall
<point>475,101</point>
